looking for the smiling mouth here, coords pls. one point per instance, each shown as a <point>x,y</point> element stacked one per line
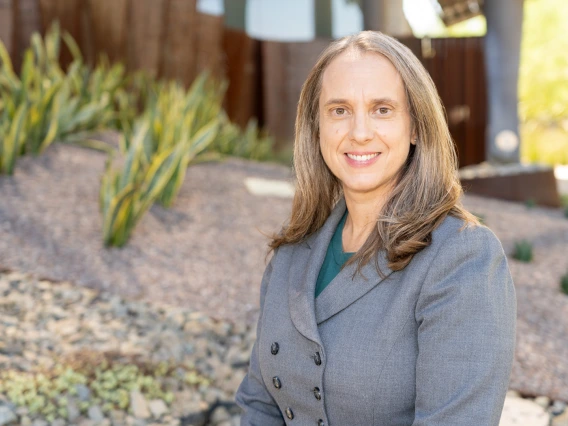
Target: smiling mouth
<point>363,157</point>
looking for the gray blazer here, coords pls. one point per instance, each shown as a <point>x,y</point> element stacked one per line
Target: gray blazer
<point>432,344</point>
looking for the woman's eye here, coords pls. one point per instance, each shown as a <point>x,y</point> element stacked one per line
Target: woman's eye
<point>339,111</point>
<point>383,110</point>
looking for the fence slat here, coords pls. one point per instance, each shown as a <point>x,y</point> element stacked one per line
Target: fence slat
<point>27,20</point>
<point>68,13</point>
<point>108,23</point>
<point>209,44</point>
<point>243,99</point>
<point>177,56</point>
<point>145,34</point>
<point>6,24</point>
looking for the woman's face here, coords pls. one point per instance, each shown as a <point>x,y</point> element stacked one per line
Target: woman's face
<point>364,123</point>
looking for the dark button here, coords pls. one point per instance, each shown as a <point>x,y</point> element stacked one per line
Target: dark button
<point>276,382</point>
<point>317,393</point>
<point>321,423</point>
<point>317,358</point>
<point>274,348</point>
<point>289,413</point>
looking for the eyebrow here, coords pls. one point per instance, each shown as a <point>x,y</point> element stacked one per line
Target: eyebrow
<point>373,101</point>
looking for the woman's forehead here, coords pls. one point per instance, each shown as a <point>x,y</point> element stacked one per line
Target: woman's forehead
<point>361,74</point>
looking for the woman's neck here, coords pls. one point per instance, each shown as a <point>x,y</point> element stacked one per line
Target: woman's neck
<point>361,220</point>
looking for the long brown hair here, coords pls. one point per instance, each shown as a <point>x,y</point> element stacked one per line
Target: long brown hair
<point>427,187</point>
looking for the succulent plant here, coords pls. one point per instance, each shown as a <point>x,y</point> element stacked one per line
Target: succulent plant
<point>46,394</point>
<point>523,251</point>
<point>564,283</point>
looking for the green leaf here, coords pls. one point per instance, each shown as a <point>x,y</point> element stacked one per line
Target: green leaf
<point>11,144</point>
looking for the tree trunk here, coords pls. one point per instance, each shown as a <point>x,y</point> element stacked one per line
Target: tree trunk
<point>502,56</point>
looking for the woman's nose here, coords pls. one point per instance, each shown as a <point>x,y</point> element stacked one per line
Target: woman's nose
<point>361,128</point>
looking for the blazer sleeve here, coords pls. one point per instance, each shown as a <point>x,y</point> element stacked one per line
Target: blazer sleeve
<point>466,313</point>
<point>259,408</point>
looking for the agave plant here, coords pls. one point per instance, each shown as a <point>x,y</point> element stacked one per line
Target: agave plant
<point>90,96</point>
<point>127,194</point>
<point>46,104</point>
<point>253,143</point>
<point>11,138</point>
<point>187,119</point>
<point>176,127</point>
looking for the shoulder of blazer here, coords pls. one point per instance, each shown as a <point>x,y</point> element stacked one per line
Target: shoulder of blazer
<point>454,230</point>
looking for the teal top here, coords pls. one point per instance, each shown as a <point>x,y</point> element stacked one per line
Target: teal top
<point>334,258</point>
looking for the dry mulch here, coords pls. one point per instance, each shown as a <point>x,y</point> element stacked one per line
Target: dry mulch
<point>207,252</point>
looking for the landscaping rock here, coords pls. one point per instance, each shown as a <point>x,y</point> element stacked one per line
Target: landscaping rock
<point>7,416</point>
<point>561,420</point>
<point>518,411</point>
<point>138,405</point>
<point>158,408</point>
<point>95,413</point>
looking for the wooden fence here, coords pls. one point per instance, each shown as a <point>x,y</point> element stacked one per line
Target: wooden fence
<point>166,37</point>
<point>171,39</point>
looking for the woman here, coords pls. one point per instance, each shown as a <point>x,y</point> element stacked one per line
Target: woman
<point>385,302</point>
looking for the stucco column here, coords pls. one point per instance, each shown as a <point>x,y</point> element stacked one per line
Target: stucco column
<point>502,56</point>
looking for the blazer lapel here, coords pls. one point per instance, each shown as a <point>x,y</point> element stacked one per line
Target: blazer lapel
<point>305,266</point>
<point>343,290</point>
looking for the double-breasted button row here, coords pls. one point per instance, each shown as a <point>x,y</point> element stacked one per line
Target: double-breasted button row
<point>274,348</point>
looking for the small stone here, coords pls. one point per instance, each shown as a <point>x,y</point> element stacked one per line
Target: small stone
<point>25,421</point>
<point>195,419</point>
<point>40,422</point>
<point>22,411</point>
<point>58,422</point>
<point>236,420</point>
<point>7,416</point>
<point>519,411</point>
<point>543,401</point>
<point>83,392</point>
<point>73,412</point>
<point>558,407</point>
<point>95,413</point>
<point>138,405</point>
<point>513,394</point>
<point>561,420</point>
<point>158,408</point>
<point>220,414</point>
<point>132,421</point>
<point>117,417</point>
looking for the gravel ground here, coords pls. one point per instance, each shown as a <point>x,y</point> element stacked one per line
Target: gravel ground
<point>207,252</point>
<point>44,323</point>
